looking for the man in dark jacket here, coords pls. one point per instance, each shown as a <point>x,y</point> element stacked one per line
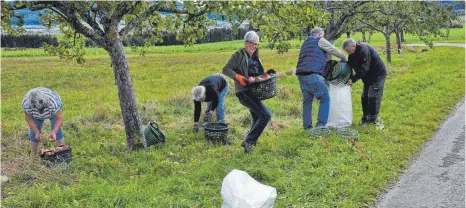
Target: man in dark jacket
<point>310,70</point>
<point>242,65</point>
<point>370,68</point>
<point>214,90</point>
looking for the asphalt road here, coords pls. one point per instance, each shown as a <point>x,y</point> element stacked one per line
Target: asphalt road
<point>436,178</point>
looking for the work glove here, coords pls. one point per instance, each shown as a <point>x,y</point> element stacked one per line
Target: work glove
<point>242,80</point>
<point>195,127</point>
<point>207,116</point>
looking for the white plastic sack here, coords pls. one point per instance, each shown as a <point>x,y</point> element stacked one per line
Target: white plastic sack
<point>341,109</point>
<point>239,190</point>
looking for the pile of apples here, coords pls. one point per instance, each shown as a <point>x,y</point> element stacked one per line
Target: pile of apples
<point>260,78</point>
<point>52,151</point>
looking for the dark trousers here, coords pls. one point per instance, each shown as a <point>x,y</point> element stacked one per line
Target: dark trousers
<point>371,99</point>
<point>260,115</point>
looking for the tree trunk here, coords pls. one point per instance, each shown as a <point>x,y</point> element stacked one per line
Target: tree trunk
<point>363,36</point>
<point>402,36</point>
<point>387,45</point>
<point>448,30</point>
<point>398,41</point>
<point>369,40</point>
<point>128,104</point>
<point>348,34</point>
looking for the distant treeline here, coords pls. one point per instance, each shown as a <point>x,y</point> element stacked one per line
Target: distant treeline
<point>27,41</point>
<point>213,35</point>
<point>37,41</point>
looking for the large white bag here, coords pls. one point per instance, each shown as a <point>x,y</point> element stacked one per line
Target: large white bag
<point>239,190</point>
<point>341,109</point>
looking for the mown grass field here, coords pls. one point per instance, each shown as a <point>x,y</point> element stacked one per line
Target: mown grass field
<point>421,89</point>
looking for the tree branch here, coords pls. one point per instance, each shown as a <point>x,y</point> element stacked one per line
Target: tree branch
<point>367,11</point>
<point>192,16</point>
<point>360,3</point>
<point>103,14</point>
<point>121,10</point>
<point>345,17</point>
<point>370,26</point>
<point>76,22</point>
<point>59,13</point>
<point>130,26</point>
<point>87,16</point>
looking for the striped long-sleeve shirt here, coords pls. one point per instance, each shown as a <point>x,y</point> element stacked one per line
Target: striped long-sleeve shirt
<point>42,103</point>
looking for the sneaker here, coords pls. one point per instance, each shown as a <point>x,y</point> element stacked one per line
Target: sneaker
<point>221,122</point>
<point>379,124</point>
<point>207,116</point>
<point>247,147</point>
<point>363,121</point>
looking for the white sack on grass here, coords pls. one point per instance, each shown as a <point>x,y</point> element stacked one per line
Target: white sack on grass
<point>239,190</point>
<point>341,109</point>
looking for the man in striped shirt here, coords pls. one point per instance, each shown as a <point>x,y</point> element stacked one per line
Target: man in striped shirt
<point>40,104</point>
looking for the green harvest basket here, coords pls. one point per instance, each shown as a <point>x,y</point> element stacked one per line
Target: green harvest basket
<point>153,134</point>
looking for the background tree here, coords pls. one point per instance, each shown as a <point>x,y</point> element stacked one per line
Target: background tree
<point>281,21</point>
<point>277,21</point>
<point>433,17</point>
<point>424,19</point>
<point>101,22</point>
<point>341,16</point>
<point>389,17</point>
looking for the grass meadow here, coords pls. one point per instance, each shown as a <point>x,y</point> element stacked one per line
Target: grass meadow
<point>421,89</point>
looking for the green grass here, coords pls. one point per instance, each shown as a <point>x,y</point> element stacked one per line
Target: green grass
<point>456,36</point>
<point>419,93</point>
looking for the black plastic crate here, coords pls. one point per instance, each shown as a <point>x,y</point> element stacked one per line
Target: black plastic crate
<point>60,157</point>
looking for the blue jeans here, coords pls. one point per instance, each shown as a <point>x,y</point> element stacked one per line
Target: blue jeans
<point>220,111</point>
<point>314,85</point>
<point>39,124</point>
<point>260,115</point>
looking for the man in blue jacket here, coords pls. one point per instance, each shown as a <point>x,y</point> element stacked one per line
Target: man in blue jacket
<point>370,68</point>
<point>310,69</point>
